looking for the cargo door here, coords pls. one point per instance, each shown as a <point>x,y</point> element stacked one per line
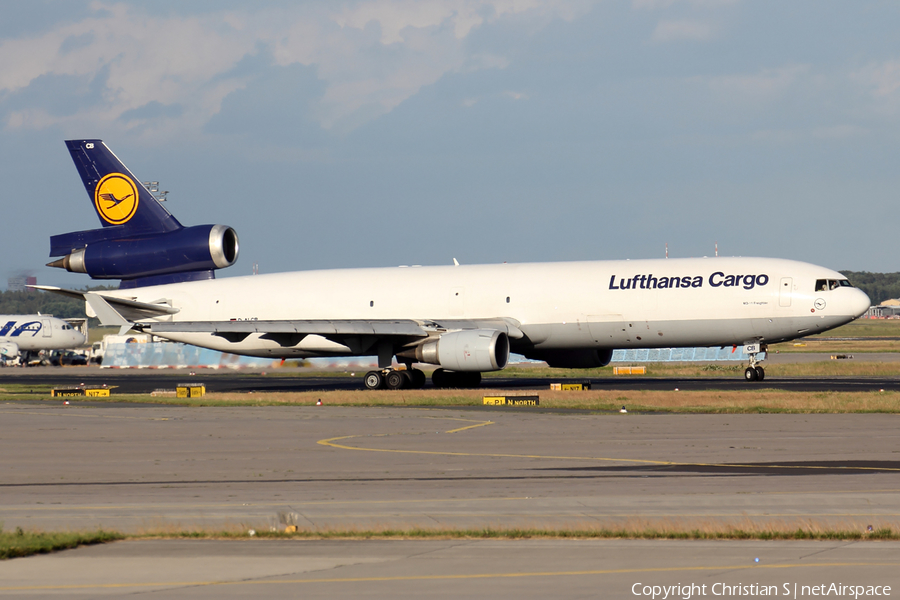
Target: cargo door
<point>785,291</point>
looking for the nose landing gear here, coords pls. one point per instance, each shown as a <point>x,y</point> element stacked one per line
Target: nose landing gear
<point>754,372</point>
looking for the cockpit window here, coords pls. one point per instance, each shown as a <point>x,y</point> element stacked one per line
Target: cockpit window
<point>824,285</point>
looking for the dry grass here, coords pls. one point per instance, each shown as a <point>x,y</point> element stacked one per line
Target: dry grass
<point>27,543</point>
<point>855,367</point>
<point>838,346</point>
<point>705,401</point>
<point>867,328</point>
<point>743,529</point>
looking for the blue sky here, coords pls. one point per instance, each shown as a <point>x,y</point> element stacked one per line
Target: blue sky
<point>378,133</point>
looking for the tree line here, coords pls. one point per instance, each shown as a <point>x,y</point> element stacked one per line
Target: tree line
<point>879,286</point>
<point>31,302</point>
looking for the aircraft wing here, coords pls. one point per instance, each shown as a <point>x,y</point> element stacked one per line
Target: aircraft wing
<point>288,330</point>
<point>236,330</point>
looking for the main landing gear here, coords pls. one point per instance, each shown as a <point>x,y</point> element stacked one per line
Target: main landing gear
<point>393,379</point>
<point>754,372</point>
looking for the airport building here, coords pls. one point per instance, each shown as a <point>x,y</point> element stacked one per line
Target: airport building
<point>17,284</point>
<point>889,309</point>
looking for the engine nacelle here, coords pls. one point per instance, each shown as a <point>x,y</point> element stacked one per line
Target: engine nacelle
<point>584,358</point>
<point>200,248</point>
<point>470,350</point>
<point>8,350</point>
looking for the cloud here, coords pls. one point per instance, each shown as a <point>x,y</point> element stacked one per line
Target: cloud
<point>766,85</point>
<point>685,29</point>
<point>883,78</point>
<point>152,110</point>
<point>370,57</point>
<point>664,4</point>
<point>880,85</point>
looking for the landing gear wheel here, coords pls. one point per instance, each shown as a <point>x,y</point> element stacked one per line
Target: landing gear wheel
<point>374,380</point>
<point>439,378</point>
<point>472,380</point>
<point>750,374</point>
<point>417,379</point>
<point>760,373</point>
<point>396,380</point>
<point>455,379</point>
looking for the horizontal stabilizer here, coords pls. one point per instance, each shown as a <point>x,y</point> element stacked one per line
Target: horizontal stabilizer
<point>124,309</point>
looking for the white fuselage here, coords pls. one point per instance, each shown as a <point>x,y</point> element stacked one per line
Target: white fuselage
<point>28,333</point>
<point>599,304</point>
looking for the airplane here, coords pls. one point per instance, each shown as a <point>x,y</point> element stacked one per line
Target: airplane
<point>21,335</point>
<point>464,319</point>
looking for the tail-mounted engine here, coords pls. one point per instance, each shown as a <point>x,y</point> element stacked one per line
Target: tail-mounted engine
<point>189,249</point>
<point>139,241</point>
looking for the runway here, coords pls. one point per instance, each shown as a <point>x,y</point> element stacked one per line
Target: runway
<point>134,468</point>
<point>505,570</point>
<point>170,468</point>
<point>140,381</point>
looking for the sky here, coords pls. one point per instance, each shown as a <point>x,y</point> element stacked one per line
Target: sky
<point>388,132</point>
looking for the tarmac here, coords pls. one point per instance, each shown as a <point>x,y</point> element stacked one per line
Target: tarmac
<point>302,379</point>
<point>142,469</point>
<point>499,569</point>
<point>166,468</point>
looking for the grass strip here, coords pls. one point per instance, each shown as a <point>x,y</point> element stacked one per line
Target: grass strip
<point>754,400</point>
<point>599,533</point>
<point>20,543</point>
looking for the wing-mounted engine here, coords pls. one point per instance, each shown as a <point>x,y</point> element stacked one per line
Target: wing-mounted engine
<point>189,249</point>
<point>469,350</point>
<point>8,350</point>
<point>582,358</point>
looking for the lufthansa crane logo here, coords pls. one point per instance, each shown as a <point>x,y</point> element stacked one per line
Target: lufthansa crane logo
<point>116,198</point>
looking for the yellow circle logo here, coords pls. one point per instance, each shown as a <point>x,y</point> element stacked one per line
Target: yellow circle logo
<point>116,198</point>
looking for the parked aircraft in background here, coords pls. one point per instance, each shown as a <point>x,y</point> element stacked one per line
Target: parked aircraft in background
<point>463,319</point>
<point>24,335</point>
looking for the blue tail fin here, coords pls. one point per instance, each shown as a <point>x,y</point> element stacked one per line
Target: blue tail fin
<point>140,242</point>
<point>118,196</point>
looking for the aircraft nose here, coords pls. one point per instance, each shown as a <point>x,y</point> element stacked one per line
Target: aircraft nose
<point>79,339</point>
<point>859,303</point>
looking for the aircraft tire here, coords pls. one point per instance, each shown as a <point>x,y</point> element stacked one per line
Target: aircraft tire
<point>439,378</point>
<point>760,373</point>
<point>750,374</point>
<point>417,379</point>
<point>373,380</point>
<point>396,380</point>
<point>472,380</point>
